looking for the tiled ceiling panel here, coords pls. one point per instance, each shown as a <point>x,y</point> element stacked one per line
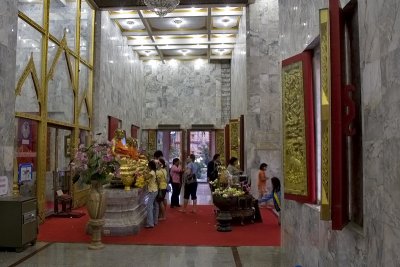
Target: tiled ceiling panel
<point>187,33</point>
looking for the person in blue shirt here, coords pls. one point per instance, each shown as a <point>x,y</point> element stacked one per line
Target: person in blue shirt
<point>275,195</point>
<point>190,180</point>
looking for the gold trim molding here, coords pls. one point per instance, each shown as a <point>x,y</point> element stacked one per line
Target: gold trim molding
<point>30,69</point>
<point>325,115</point>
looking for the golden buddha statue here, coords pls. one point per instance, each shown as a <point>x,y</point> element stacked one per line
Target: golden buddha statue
<point>132,148</point>
<point>119,143</point>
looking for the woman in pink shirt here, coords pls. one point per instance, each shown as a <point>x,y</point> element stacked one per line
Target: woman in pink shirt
<point>176,174</point>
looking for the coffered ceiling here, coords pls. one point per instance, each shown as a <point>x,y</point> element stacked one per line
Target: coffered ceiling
<point>195,29</point>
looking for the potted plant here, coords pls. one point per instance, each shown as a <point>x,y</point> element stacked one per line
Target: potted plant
<point>95,165</point>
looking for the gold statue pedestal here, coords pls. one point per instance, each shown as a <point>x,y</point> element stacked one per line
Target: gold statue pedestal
<point>127,171</point>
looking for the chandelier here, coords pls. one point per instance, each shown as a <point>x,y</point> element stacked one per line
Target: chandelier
<point>161,7</point>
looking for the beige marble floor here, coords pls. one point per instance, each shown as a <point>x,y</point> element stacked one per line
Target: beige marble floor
<point>75,254</point>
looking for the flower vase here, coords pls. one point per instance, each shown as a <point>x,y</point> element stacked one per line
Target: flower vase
<point>96,207</point>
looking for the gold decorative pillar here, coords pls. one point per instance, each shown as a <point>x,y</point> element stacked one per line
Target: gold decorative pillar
<point>220,144</point>
<point>234,139</point>
<point>151,142</point>
<point>325,114</point>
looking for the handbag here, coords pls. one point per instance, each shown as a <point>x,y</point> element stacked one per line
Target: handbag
<point>190,178</point>
<point>160,195</point>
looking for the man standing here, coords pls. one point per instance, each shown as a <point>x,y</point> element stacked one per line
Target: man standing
<point>190,184</point>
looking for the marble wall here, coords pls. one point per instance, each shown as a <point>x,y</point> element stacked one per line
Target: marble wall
<point>8,44</point>
<point>263,112</point>
<point>118,78</point>
<point>306,239</point>
<point>238,71</point>
<point>182,92</point>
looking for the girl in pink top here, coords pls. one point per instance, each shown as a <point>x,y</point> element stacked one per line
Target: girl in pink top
<point>176,174</point>
<point>262,180</point>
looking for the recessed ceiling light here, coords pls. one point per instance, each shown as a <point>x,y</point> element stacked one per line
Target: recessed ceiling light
<point>177,21</point>
<point>130,22</point>
<point>225,20</point>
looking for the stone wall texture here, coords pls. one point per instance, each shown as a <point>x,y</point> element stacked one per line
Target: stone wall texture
<point>8,44</point>
<point>263,108</point>
<point>182,92</point>
<point>118,78</point>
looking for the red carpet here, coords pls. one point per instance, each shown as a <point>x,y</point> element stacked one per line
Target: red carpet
<point>179,229</point>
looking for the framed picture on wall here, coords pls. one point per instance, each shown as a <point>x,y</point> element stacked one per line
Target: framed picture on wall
<point>67,146</point>
<point>134,131</point>
<point>25,172</point>
<point>113,124</point>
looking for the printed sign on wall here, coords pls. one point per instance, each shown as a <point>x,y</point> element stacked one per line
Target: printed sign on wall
<point>3,185</point>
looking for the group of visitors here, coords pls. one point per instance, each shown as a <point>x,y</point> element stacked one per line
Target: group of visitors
<point>178,175</point>
<point>157,186</point>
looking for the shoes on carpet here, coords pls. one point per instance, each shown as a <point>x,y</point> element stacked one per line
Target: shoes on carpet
<point>162,219</point>
<point>182,210</point>
<point>149,226</point>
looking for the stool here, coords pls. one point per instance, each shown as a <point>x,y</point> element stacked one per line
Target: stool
<point>66,203</point>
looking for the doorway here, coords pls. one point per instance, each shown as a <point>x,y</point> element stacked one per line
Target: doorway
<point>170,143</point>
<point>59,142</point>
<point>201,144</point>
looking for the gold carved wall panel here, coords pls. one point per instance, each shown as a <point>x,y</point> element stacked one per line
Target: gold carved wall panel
<point>294,139</point>
<point>298,128</point>
<point>234,136</point>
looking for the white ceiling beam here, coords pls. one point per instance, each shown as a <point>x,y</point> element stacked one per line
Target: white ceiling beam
<point>148,28</point>
<point>219,13</point>
<point>220,57</point>
<point>124,15</point>
<point>212,57</point>
<point>173,57</point>
<point>173,47</point>
<point>190,14</point>
<point>209,21</point>
<point>180,32</point>
<point>213,41</point>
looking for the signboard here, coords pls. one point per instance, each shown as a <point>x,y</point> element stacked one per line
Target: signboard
<point>25,172</point>
<point>3,185</point>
